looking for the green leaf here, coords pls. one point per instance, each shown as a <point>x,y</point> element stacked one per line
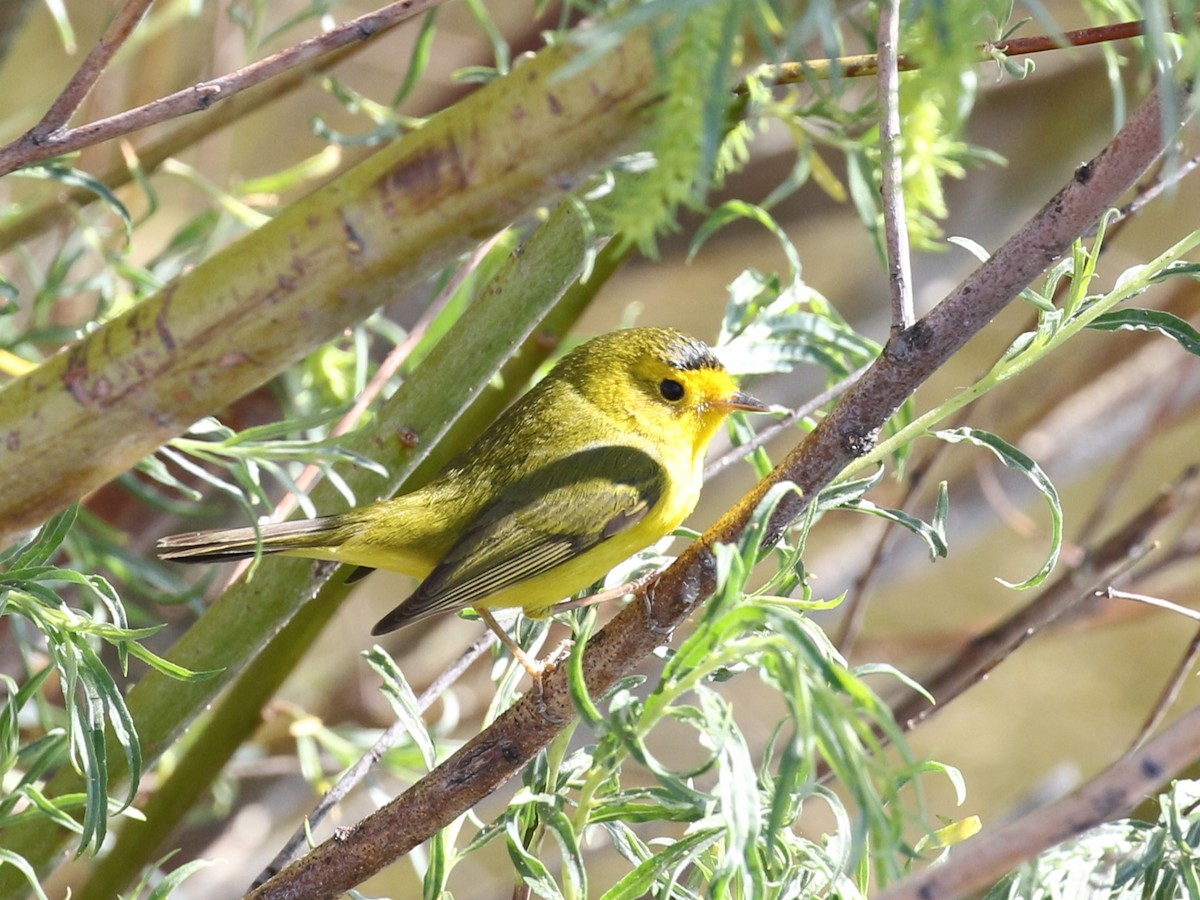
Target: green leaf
<point>576,683</point>
<point>530,869</point>
<point>642,880</point>
<point>929,532</point>
<point>7,857</point>
<point>418,60</point>
<point>735,793</point>
<point>1155,320</point>
<point>39,551</point>
<point>562,829</point>
<point>404,702</point>
<point>72,177</point>
<point>735,210</point>
<point>166,887</point>
<point>1018,461</point>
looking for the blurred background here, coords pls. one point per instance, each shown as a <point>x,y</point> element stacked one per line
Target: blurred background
<point>1112,418</point>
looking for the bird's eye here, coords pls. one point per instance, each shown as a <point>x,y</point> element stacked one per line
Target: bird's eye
<point>670,389</point>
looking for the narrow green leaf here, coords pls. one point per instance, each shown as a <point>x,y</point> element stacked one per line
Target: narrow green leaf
<point>531,870</point>
<point>1154,320</point>
<point>54,810</point>
<point>166,888</point>
<point>642,880</point>
<point>7,857</point>
<point>1018,461</point>
<point>404,702</point>
<point>418,60</point>
<point>51,536</point>
<point>733,210</point>
<point>736,794</point>
<point>926,531</point>
<point>576,683</point>
<point>165,666</point>
<point>562,829</point>
<point>72,177</point>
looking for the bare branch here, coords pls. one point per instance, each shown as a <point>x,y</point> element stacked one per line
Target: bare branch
<point>1157,602</point>
<point>895,224</point>
<point>31,148</point>
<point>1169,693</point>
<point>89,71</point>
<point>866,65</point>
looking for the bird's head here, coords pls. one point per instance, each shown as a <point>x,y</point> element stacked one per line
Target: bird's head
<point>660,381</point>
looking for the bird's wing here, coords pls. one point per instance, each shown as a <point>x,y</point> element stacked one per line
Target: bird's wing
<point>556,513</point>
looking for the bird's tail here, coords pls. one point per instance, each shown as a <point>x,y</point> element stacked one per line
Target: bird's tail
<point>305,538</point>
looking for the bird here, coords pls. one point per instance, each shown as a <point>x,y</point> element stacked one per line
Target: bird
<point>598,460</point>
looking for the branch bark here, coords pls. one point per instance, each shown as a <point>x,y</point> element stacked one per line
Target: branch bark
<point>89,71</point>
<point>494,756</point>
<point>895,223</point>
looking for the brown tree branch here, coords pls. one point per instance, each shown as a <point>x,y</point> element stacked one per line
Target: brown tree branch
<point>33,147</point>
<point>89,71</point>
<point>494,756</point>
<point>1184,670</point>
<point>866,65</point>
<point>149,156</point>
<point>986,858</point>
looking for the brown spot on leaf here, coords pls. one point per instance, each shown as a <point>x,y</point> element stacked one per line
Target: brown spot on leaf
<point>354,243</point>
<point>425,178</point>
<point>75,377</point>
<point>160,325</point>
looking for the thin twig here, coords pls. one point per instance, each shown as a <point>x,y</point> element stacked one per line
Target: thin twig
<point>30,148</point>
<point>895,225</point>
<point>389,739</point>
<point>1155,189</point>
<point>1158,602</point>
<point>89,71</point>
<point>1169,693</point>
<point>981,861</point>
<point>1126,464</point>
<point>866,65</point>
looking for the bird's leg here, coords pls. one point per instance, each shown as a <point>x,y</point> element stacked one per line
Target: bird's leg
<point>621,590</point>
<point>532,666</point>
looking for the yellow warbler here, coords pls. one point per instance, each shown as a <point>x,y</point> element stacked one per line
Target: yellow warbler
<point>600,459</point>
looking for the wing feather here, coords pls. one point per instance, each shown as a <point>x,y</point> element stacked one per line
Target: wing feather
<point>553,514</point>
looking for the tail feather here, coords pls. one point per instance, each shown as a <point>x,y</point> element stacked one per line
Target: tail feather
<point>226,544</point>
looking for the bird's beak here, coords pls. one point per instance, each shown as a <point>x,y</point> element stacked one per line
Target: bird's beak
<point>740,400</point>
